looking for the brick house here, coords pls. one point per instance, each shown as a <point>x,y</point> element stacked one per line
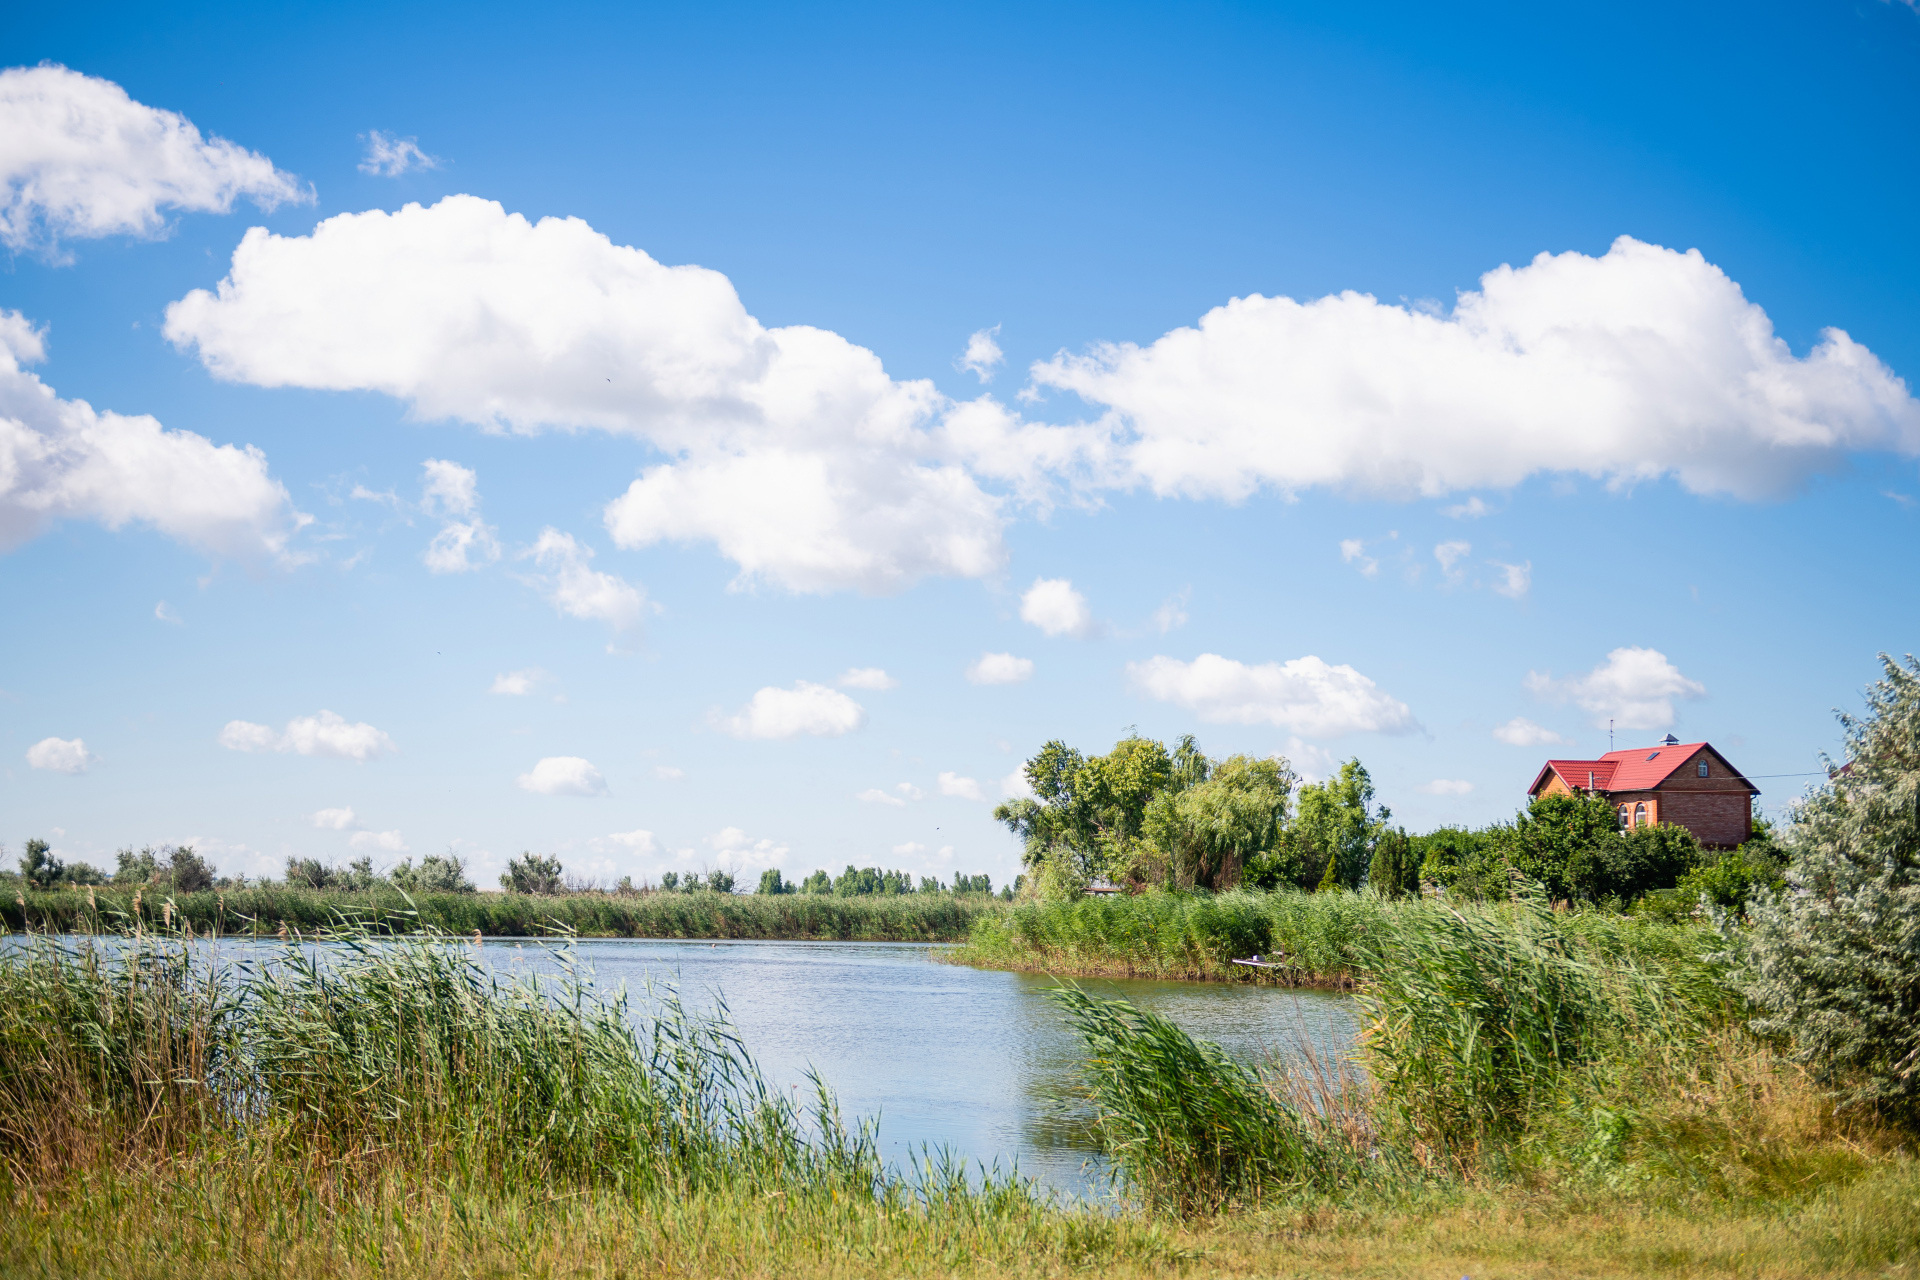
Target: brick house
<point>1685,783</point>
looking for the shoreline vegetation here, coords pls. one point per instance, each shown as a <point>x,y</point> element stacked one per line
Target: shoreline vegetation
<point>701,914</point>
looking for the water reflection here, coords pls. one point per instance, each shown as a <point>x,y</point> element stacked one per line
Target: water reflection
<point>975,1060</point>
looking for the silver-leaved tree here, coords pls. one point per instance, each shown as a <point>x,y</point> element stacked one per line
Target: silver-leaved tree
<point>1833,963</point>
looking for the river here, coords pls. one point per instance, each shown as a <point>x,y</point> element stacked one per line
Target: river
<point>974,1060</point>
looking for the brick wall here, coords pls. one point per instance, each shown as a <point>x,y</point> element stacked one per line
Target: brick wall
<point>1716,818</point>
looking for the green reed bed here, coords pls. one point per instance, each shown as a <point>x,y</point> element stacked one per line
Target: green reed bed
<point>388,1103</point>
<point>933,917</point>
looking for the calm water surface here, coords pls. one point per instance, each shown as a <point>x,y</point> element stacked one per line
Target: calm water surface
<point>975,1060</point>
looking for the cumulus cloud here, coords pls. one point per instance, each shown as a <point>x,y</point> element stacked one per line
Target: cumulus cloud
<point>389,157</point>
<point>874,678</point>
<point>461,546</point>
<point>331,819</point>
<point>59,459</point>
<point>1016,787</point>
<point>1522,732</point>
<point>1445,787</point>
<point>744,850</point>
<point>1354,551</point>
<point>999,668</point>
<point>1635,688</point>
<point>1472,509</point>
<point>377,841</point>
<point>326,734</point>
<point>1306,694</point>
<point>447,488</point>
<point>790,449</point>
<point>952,784</point>
<point>517,684</point>
<point>577,589</point>
<point>1515,579</point>
<point>1641,363</point>
<point>1172,613</point>
<point>982,355</point>
<point>1450,554</point>
<point>60,755</point>
<point>1052,605</point>
<point>807,708</point>
<point>564,776</point>
<point>637,841</point>
<point>874,795</point>
<point>80,159</point>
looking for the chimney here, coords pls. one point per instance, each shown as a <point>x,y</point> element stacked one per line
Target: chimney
<point>1589,779</point>
<point>1670,741</point>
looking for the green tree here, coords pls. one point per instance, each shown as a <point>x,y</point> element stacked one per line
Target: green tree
<point>1556,834</point>
<point>720,881</point>
<point>1626,866</point>
<point>188,871</point>
<point>437,873</point>
<point>818,882</point>
<point>1087,816</point>
<point>535,874</point>
<point>1214,819</point>
<point>39,867</point>
<point>1394,871</point>
<point>770,882</point>
<point>1337,818</point>
<point>1833,963</point>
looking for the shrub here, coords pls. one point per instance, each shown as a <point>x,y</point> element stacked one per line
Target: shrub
<point>535,874</point>
<point>1833,963</point>
<point>1394,871</point>
<point>435,874</point>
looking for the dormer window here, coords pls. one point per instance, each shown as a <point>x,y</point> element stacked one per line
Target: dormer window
<point>1703,768</point>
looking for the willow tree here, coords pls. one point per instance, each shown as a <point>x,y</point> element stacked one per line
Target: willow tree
<point>1229,813</point>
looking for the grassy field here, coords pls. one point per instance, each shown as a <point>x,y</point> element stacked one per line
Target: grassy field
<point>1545,1096</point>
<point>933,917</point>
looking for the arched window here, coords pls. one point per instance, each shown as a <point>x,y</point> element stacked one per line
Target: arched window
<point>1640,814</point>
<point>1703,768</point>
<point>1626,817</point>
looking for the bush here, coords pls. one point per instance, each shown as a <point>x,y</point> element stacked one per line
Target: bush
<point>534,874</point>
<point>435,874</point>
<point>1833,963</point>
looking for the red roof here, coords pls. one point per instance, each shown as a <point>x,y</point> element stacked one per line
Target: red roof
<point>1636,769</point>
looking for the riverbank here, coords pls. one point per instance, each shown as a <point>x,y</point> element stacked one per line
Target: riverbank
<point>931,917</point>
<point>407,1112</point>
<point>1323,940</point>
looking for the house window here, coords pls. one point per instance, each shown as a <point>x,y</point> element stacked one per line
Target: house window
<point>1703,768</point>
<point>1626,817</point>
<point>1640,814</point>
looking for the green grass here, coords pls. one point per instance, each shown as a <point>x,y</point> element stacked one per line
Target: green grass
<point>1546,1095</point>
<point>1326,938</point>
<point>799,917</point>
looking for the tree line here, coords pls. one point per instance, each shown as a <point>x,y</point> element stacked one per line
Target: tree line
<point>1148,816</point>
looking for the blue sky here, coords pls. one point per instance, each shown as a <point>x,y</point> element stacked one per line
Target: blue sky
<point>1418,498</point>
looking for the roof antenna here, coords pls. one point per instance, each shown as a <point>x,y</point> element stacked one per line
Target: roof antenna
<point>1609,735</point>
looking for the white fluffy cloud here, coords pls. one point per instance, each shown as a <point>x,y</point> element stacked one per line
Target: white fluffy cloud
<point>377,842</point>
<point>874,678</point>
<point>983,354</point>
<point>61,755</point>
<point>577,589</point>
<point>1306,694</point>
<point>1450,554</point>
<point>1522,732</point>
<point>1445,787</point>
<point>743,850</point>
<point>460,546</point>
<point>564,776</point>
<point>1000,668</point>
<point>331,819</point>
<point>452,490</point>
<point>326,734</point>
<point>1052,605</point>
<point>59,459</point>
<point>874,795</point>
<point>1172,613</point>
<point>1640,363</point>
<point>517,684</point>
<point>638,841</point>
<point>449,488</point>
<point>80,158</point>
<point>1016,787</point>
<point>807,708</point>
<point>1354,551</point>
<point>791,449</point>
<point>952,784</point>
<point>1634,688</point>
<point>1515,579</point>
<point>389,157</point>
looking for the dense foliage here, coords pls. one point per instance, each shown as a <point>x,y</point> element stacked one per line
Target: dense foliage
<point>1833,961</point>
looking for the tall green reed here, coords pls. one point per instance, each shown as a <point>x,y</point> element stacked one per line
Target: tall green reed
<point>1190,1130</point>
